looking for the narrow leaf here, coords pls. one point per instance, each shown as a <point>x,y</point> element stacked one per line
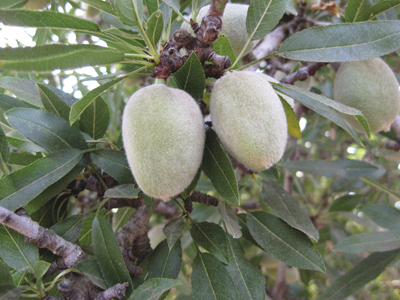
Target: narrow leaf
<point>231,220</point>
<point>174,4</point>
<point>15,252</point>
<point>57,56</point>
<point>190,77</point>
<point>123,191</point>
<point>211,237</point>
<point>284,242</point>
<point>165,262</point>
<point>5,275</point>
<point>11,3</point>
<point>153,288</point>
<point>45,19</point>
<point>287,208</point>
<point>210,279</point>
<point>383,6</point>
<point>345,203</point>
<point>24,89</point>
<point>52,102</point>
<point>114,163</point>
<point>20,187</point>
<point>46,129</point>
<point>152,5</point>
<point>217,166</point>
<point>173,231</point>
<point>380,187</point>
<point>370,242</point>
<point>337,168</point>
<point>108,254</point>
<point>383,215</point>
<point>367,270</point>
<point>4,148</point>
<point>249,280</point>
<point>8,103</point>
<point>358,10</point>
<point>91,270</point>
<point>155,26</point>
<point>69,229</point>
<point>245,230</point>
<point>332,43</point>
<point>223,47</point>
<point>263,15</point>
<point>95,118</point>
<point>130,12</point>
<point>10,292</point>
<point>100,5</point>
<point>291,119</point>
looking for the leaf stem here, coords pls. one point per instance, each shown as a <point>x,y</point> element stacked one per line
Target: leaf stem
<point>138,55</point>
<point>258,60</point>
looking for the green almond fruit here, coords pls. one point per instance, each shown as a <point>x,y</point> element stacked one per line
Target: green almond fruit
<point>163,134</point>
<point>249,119</point>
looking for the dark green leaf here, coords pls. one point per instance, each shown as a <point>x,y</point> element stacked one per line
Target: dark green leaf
<point>230,219</point>
<point>100,5</point>
<point>211,237</point>
<point>284,242</point>
<point>155,26</point>
<point>91,270</point>
<point>191,187</point>
<point>379,186</point>
<point>164,262</point>
<point>190,77</point>
<point>358,10</point>
<point>95,118</point>
<point>130,12</point>
<point>114,163</point>
<point>45,19</point>
<point>287,208</point>
<point>122,191</point>
<point>79,107</point>
<point>52,103</point>
<point>249,280</point>
<point>173,231</point>
<point>46,129</point>
<point>121,217</point>
<point>345,203</point>
<point>8,102</point>
<point>20,187</point>
<point>69,229</point>
<point>367,270</point>
<point>21,158</point>
<point>152,6</point>
<point>15,252</point>
<point>24,89</point>
<point>85,239</point>
<point>291,119</point>
<point>108,254</point>
<point>217,166</point>
<point>4,148</point>
<point>383,215</point>
<point>332,43</point>
<point>11,3</point>
<point>17,140</point>
<point>10,292</point>
<point>337,168</point>
<point>263,16</point>
<point>245,230</point>
<point>57,56</point>
<point>223,47</point>
<point>383,5</point>
<point>210,279</point>
<point>370,242</point>
<point>153,288</point>
<point>5,275</point>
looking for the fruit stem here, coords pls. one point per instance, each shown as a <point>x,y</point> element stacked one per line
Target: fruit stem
<point>217,7</point>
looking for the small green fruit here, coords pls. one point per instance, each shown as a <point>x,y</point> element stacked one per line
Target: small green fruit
<point>249,119</point>
<point>163,133</point>
<point>233,25</point>
<point>371,87</point>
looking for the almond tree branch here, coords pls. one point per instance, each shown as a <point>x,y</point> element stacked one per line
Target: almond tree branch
<point>303,73</point>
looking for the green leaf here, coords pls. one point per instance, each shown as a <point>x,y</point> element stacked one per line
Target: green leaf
<point>190,77</point>
<point>86,101</point>
<point>383,6</point>
<point>46,129</point>
<point>45,19</point>
<point>121,217</point>
<point>108,254</point>
<point>291,119</point>
<point>263,15</point>
<point>100,5</point>
<point>173,231</point>
<point>332,43</point>
<point>191,187</point>
<point>20,187</point>
<point>380,187</point>
<point>57,56</point>
<point>358,10</point>
<point>223,47</point>
<point>4,148</point>
<point>174,4</point>
<point>5,275</point>
<point>245,230</point>
<point>52,102</point>
<point>211,237</point>
<point>69,229</point>
<point>11,3</point>
<point>325,107</point>
<point>8,102</point>
<point>91,270</point>
<point>24,89</point>
<point>249,280</point>
<point>153,288</point>
<point>335,168</point>
<point>17,140</point>
<point>155,26</point>
<point>85,239</point>
<point>114,163</point>
<point>210,279</point>
<point>10,292</point>
<point>15,252</point>
<point>345,203</point>
<point>287,208</point>
<point>130,12</point>
<point>40,268</point>
<point>152,6</point>
<point>164,262</point>
<point>122,191</point>
<point>230,219</point>
<point>284,242</point>
<point>367,270</point>
<point>370,242</point>
<point>383,215</point>
<point>217,166</point>
<point>95,118</point>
